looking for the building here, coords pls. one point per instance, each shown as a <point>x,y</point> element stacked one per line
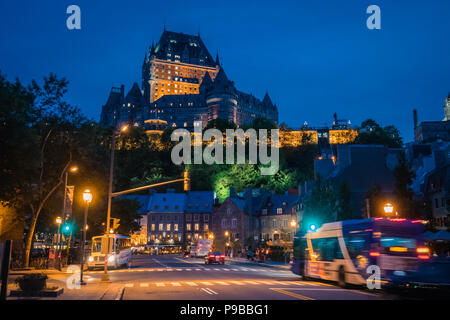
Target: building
<point>350,165</point>
<point>429,131</point>
<point>181,84</point>
<point>198,215</point>
<point>277,217</point>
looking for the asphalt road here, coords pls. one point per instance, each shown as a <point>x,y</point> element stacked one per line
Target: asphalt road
<point>171,277</point>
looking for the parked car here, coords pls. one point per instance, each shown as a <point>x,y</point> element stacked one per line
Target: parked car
<point>215,257</point>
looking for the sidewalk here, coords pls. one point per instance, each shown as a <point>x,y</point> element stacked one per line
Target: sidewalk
<point>275,264</point>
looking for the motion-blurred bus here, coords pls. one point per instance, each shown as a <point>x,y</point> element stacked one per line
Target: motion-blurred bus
<point>119,251</point>
<point>343,251</point>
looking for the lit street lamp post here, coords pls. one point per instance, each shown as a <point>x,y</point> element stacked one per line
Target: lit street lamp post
<point>73,169</point>
<point>58,242</point>
<point>105,277</point>
<point>388,208</point>
<point>87,197</point>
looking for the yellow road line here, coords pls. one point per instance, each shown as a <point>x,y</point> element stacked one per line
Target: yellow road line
<point>184,260</point>
<point>222,283</point>
<point>295,295</point>
<point>192,284</point>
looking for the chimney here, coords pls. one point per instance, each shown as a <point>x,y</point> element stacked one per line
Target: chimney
<point>415,118</point>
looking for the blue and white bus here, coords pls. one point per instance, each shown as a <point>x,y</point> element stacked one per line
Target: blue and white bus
<point>342,251</point>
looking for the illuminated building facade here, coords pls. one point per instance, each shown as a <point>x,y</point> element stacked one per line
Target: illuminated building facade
<point>181,84</point>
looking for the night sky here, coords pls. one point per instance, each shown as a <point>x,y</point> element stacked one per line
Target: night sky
<point>313,57</point>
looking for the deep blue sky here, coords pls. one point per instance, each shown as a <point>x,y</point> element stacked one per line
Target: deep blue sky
<point>314,57</point>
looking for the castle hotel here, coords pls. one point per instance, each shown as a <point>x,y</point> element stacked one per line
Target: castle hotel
<point>181,84</point>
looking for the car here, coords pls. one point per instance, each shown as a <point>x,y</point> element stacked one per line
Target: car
<point>215,257</point>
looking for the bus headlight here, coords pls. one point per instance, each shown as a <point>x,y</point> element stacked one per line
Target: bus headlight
<point>111,259</point>
<point>91,259</point>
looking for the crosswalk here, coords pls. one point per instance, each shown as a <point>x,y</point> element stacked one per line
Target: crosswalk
<point>212,283</point>
<point>196,270</point>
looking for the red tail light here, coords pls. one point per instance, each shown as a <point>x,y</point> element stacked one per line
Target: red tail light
<point>222,256</point>
<point>398,219</point>
<point>374,254</point>
<point>423,257</point>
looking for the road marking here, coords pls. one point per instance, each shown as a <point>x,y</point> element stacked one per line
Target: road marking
<point>129,285</point>
<point>169,269</point>
<point>160,263</point>
<point>209,291</point>
<point>176,284</point>
<point>322,284</point>
<point>178,269</point>
<point>144,285</point>
<point>160,270</point>
<point>237,282</point>
<point>184,260</point>
<point>217,269</point>
<point>207,283</point>
<point>192,284</point>
<point>251,282</point>
<point>295,295</point>
<point>225,269</point>
<point>265,282</point>
<point>188,269</point>
<point>302,283</point>
<point>160,284</point>
<point>222,283</point>
<point>235,269</point>
<point>280,282</point>
<point>198,269</point>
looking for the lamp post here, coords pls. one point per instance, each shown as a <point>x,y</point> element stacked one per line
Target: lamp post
<point>58,242</point>
<point>105,277</point>
<point>227,234</point>
<point>73,169</point>
<point>87,197</point>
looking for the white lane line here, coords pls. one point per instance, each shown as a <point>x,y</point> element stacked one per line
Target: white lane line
<point>160,284</point>
<point>225,269</point>
<point>188,269</point>
<point>327,289</point>
<point>209,291</point>
<point>160,270</point>
<point>179,269</point>
<point>304,283</point>
<point>251,282</point>
<point>217,269</point>
<point>222,283</point>
<point>235,269</point>
<point>169,269</point>
<point>206,283</point>
<point>160,263</point>
<point>281,282</point>
<point>129,285</point>
<point>197,269</point>
<point>265,282</point>
<point>192,284</point>
<point>237,282</point>
<point>176,284</point>
<point>143,285</point>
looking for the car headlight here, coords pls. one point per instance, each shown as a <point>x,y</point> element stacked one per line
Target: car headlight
<point>91,259</point>
<point>111,258</point>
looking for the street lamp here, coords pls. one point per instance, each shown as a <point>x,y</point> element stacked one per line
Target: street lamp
<point>87,197</point>
<point>117,131</point>
<point>293,223</point>
<point>227,234</point>
<point>58,222</point>
<point>388,208</point>
<point>73,169</point>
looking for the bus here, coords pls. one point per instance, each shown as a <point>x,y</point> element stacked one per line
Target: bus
<point>342,251</point>
<point>119,251</point>
<point>202,248</point>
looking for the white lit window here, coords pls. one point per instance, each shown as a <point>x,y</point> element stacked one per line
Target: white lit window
<point>168,227</point>
<point>188,227</point>
<point>161,227</point>
<point>175,227</point>
<point>153,227</point>
<point>234,223</point>
<point>279,210</point>
<point>196,227</point>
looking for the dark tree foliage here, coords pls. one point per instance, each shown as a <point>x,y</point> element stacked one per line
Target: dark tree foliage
<point>404,175</point>
<point>371,132</point>
<point>344,209</point>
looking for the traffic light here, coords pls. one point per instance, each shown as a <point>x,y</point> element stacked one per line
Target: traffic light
<point>67,228</point>
<point>115,223</point>
<point>187,181</point>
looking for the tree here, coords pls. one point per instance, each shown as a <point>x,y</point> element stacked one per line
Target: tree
<point>344,209</point>
<point>320,207</point>
<point>371,132</point>
<point>403,193</point>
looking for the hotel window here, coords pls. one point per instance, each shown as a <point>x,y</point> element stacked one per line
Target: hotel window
<point>175,227</point>
<point>206,218</point>
<point>189,236</point>
<point>228,211</point>
<point>224,223</point>
<point>161,227</point>
<point>153,227</point>
<point>264,211</point>
<point>274,223</point>
<point>197,227</point>
<point>188,227</point>
<point>195,236</point>
<point>279,210</point>
<point>196,217</point>
<point>168,227</point>
<point>152,237</point>
<point>189,216</point>
<point>205,227</point>
<point>234,223</point>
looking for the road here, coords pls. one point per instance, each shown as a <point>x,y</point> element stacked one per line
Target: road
<point>171,277</point>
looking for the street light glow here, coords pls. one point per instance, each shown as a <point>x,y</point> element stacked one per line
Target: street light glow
<point>124,128</point>
<point>74,169</point>
<point>58,220</point>
<point>293,223</point>
<point>87,195</point>
<point>388,208</point>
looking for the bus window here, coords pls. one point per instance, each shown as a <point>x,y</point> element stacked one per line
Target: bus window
<point>355,245</point>
<point>398,242</point>
<point>96,245</point>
